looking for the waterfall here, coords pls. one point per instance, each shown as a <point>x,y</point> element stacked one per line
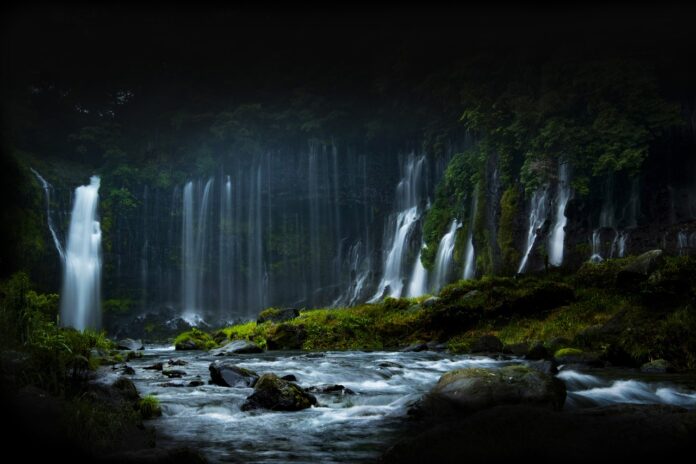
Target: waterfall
<point>419,278</point>
<point>618,245</point>
<point>537,217</point>
<point>359,270</point>
<point>80,305</point>
<point>596,247</point>
<point>443,259</point>
<point>469,264</point>
<point>194,246</point>
<point>682,243</point>
<point>226,250</point>
<point>257,280</point>
<point>469,261</point>
<point>47,190</point>
<point>558,232</point>
<point>401,225</point>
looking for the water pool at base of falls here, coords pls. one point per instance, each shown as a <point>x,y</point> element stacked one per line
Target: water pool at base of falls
<point>343,428</point>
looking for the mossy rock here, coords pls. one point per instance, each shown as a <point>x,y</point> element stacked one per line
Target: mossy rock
<point>277,315</point>
<point>194,339</point>
<point>276,394</point>
<point>468,390</point>
<point>149,407</point>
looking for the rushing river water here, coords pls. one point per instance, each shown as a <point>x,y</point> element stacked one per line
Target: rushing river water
<point>343,428</point>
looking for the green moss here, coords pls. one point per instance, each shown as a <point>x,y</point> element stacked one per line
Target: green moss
<point>149,407</point>
<point>269,313</point>
<point>567,352</point>
<point>194,339</point>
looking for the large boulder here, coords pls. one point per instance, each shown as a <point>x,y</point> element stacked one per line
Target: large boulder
<point>130,344</point>
<point>473,389</point>
<point>226,374</point>
<point>277,315</point>
<point>274,393</point>
<point>287,337</point>
<point>237,347</point>
<point>639,269</point>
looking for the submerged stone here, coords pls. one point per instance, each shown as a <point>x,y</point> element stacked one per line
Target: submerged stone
<point>237,347</point>
<point>130,344</point>
<point>227,374</point>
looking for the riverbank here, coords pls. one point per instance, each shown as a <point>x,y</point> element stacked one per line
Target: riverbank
<point>621,312</point>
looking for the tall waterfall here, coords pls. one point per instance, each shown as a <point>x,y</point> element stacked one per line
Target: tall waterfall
<point>537,217</point>
<point>80,305</point>
<point>257,283</point>
<point>557,238</point>
<point>193,248</point>
<point>226,250</point>
<point>49,217</point>
<point>401,225</point>
<point>419,278</point>
<point>469,258</point>
<point>443,259</point>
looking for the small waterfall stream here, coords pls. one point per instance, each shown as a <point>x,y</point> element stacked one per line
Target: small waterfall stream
<point>537,217</point>
<point>49,217</point>
<point>469,253</point>
<point>443,259</point>
<point>557,238</point>
<point>419,278</point>
<point>80,305</point>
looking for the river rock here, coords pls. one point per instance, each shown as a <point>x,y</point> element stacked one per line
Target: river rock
<point>271,392</point>
<point>336,389</point>
<point>130,344</point>
<point>277,315</point>
<point>226,374</point>
<point>127,370</point>
<point>487,344</point>
<point>177,362</point>
<point>658,366</point>
<point>155,367</point>
<point>173,373</point>
<point>289,378</point>
<point>415,347</point>
<point>472,389</point>
<point>237,347</point>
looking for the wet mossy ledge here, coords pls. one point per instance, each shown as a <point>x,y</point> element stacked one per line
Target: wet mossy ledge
<point>626,312</point>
